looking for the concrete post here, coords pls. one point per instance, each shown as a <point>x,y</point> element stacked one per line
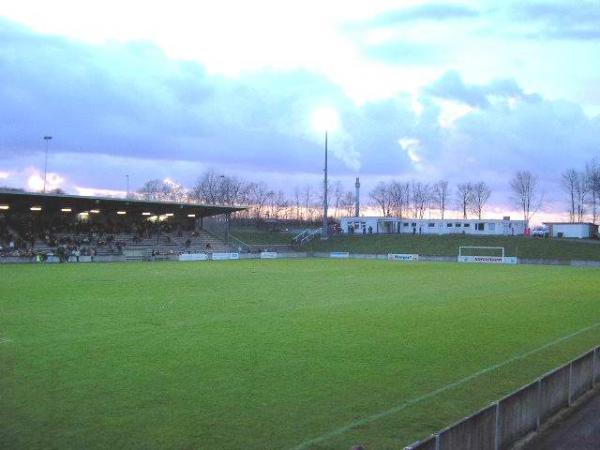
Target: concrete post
<point>539,405</point>
<point>570,382</point>
<point>437,441</point>
<point>594,365</point>
<point>497,428</point>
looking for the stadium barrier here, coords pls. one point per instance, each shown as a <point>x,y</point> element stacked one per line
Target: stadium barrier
<point>280,255</point>
<point>286,255</point>
<point>339,255</point>
<point>221,256</point>
<point>515,417</point>
<point>488,259</point>
<point>193,257</point>
<point>402,257</point>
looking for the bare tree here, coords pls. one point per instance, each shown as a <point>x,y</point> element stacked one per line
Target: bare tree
<point>163,190</point>
<point>207,188</point>
<point>337,193</point>
<point>231,190</point>
<point>569,180</point>
<point>526,195</point>
<point>309,203</point>
<point>400,198</point>
<point>258,196</point>
<point>582,189</point>
<point>348,203</point>
<point>381,197</point>
<point>592,170</point>
<point>298,203</point>
<point>420,195</point>
<point>439,196</point>
<point>281,205</point>
<point>464,192</point>
<point>480,194</point>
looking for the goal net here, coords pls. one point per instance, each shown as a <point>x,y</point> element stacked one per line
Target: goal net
<point>481,254</point>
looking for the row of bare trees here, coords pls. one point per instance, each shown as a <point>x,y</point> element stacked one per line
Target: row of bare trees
<point>583,191</point>
<point>394,198</point>
<point>262,201</point>
<point>414,198</point>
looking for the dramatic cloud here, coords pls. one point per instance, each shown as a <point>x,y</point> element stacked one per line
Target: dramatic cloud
<point>440,96</point>
<point>560,20</point>
<point>431,11</point>
<point>451,87</point>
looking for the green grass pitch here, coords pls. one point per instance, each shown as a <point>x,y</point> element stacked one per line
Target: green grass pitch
<point>280,354</point>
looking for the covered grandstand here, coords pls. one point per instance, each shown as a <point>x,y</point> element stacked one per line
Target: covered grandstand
<point>67,227</point>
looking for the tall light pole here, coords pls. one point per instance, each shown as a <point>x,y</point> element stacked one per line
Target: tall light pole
<point>357,198</point>
<point>325,119</point>
<point>127,191</point>
<point>46,140</point>
<point>325,232</point>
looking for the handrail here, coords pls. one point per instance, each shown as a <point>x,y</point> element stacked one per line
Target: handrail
<point>245,247</point>
<point>310,236</point>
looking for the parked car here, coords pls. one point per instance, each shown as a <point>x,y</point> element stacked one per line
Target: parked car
<point>540,232</point>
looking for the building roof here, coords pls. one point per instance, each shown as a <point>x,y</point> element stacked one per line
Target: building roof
<point>23,201</point>
<point>570,223</point>
<point>424,220</point>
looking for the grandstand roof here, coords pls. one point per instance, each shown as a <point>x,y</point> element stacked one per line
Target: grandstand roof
<point>24,201</point>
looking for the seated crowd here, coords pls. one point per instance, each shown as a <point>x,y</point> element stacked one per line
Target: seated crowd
<point>24,235</point>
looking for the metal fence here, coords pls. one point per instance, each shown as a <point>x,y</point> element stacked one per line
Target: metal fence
<point>507,421</point>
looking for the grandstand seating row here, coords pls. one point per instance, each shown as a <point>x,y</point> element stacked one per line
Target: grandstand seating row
<point>27,236</point>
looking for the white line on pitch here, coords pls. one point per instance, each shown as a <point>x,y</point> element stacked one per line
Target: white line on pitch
<point>5,340</point>
<point>401,406</point>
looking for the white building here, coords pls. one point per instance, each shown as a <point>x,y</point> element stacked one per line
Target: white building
<point>572,230</point>
<point>394,225</point>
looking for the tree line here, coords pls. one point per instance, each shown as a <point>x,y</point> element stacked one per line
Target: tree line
<point>582,188</point>
<point>393,198</point>
<point>305,204</point>
<point>401,199</point>
<point>414,198</point>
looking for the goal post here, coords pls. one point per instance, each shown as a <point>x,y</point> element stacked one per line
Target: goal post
<point>484,255</point>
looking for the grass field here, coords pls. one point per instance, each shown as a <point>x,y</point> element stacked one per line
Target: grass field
<point>432,245</point>
<point>255,236</point>
<point>281,354</point>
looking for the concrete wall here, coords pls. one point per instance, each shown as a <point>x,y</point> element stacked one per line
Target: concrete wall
<point>474,433</point>
<point>582,375</point>
<point>517,415</point>
<point>554,392</point>
<point>429,443</point>
<point>501,425</point>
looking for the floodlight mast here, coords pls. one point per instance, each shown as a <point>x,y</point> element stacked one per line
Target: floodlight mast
<point>325,232</point>
<point>46,140</point>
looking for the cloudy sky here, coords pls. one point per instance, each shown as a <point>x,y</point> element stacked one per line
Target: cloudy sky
<point>467,90</point>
